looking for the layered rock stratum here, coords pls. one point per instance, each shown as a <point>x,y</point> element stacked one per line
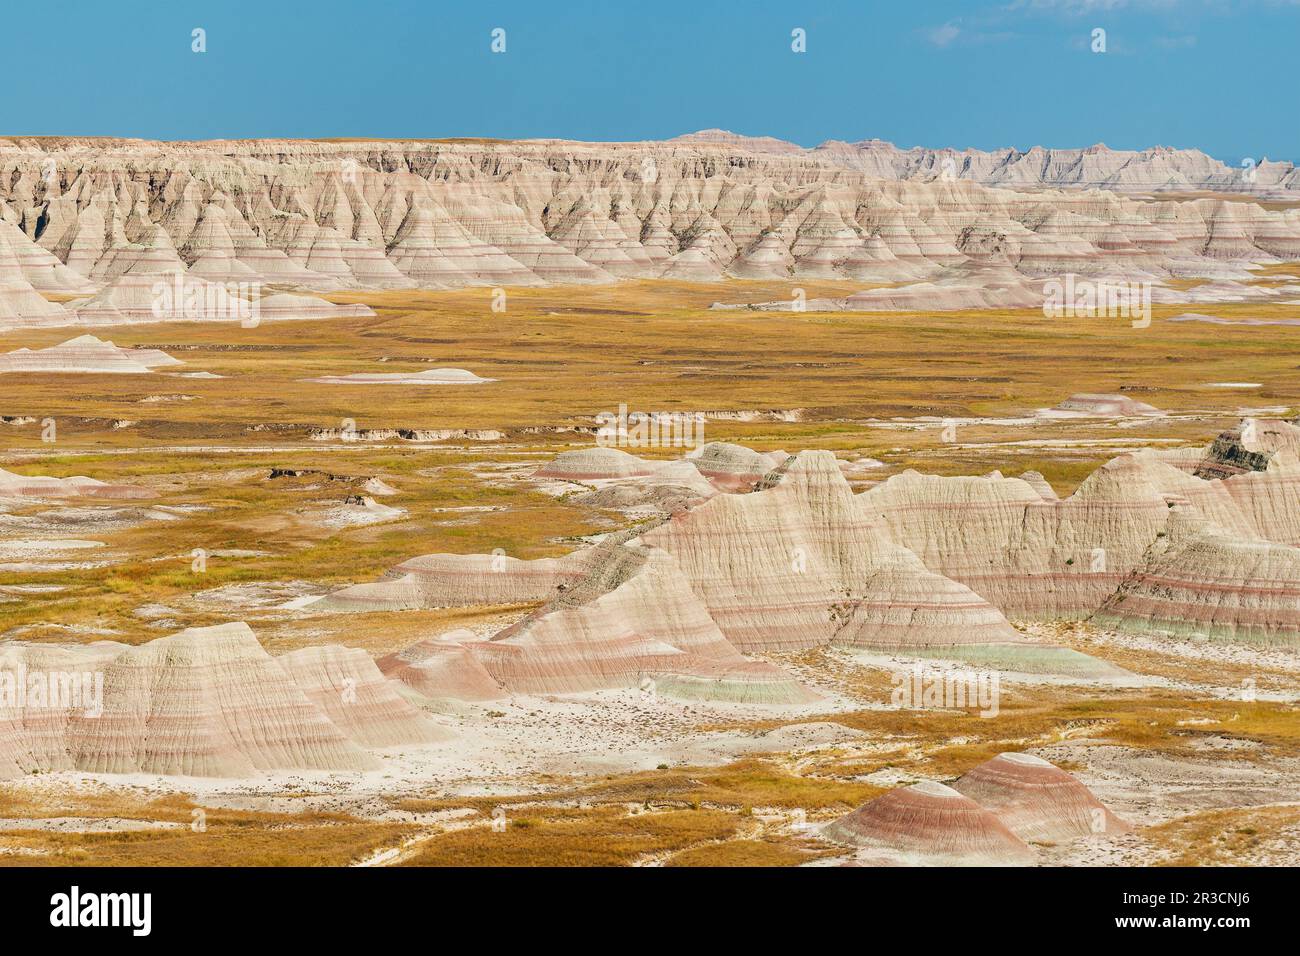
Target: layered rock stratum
<point>921,565</point>
<point>81,214</point>
<point>988,817</point>
<point>207,701</point>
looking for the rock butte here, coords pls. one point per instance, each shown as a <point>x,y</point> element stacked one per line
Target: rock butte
<point>322,216</point>
<point>930,823</point>
<point>1037,801</point>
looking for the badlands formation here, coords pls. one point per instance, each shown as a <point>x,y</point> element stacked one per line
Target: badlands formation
<point>948,582</point>
<point>952,230</point>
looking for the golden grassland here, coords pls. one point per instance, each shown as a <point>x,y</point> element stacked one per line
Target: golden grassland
<point>225,838</point>
<point>608,836</point>
<point>561,356</point>
<point>1254,836</point>
<point>742,813</point>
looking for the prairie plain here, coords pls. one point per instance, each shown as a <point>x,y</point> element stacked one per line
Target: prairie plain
<point>252,475</point>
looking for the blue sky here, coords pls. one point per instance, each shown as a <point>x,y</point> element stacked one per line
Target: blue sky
<point>1214,74</point>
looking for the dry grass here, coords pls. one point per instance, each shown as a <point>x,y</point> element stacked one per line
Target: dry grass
<point>561,356</point>
<point>229,837</point>
<point>607,836</point>
<point>1260,836</point>
<point>751,853</point>
<point>565,354</point>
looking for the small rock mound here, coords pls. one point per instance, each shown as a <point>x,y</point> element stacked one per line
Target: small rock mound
<point>1036,800</point>
<point>1101,406</point>
<point>932,824</point>
<point>594,464</point>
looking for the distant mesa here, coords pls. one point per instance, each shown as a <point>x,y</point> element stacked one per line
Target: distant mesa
<point>433,376</point>
<point>86,355</point>
<point>21,305</point>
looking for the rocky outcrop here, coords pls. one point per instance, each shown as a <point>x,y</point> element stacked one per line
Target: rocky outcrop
<point>931,824</point>
<point>322,216</point>
<point>206,701</point>
<point>1037,801</point>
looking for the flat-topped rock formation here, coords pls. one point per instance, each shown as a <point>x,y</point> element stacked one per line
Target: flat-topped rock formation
<point>443,667</point>
<point>1101,406</point>
<point>21,305</point>
<point>461,580</point>
<point>1249,447</point>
